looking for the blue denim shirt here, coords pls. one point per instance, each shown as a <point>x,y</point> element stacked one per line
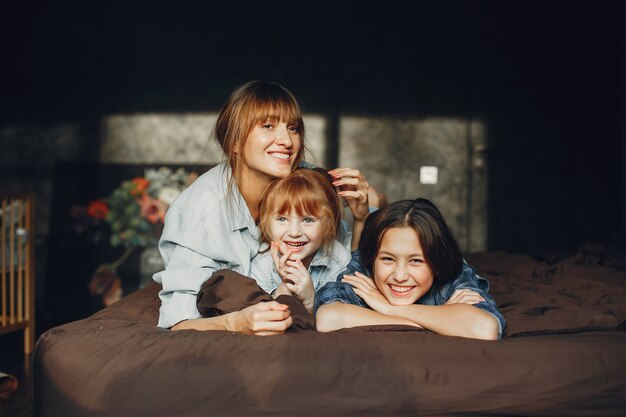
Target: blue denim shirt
<point>467,279</point>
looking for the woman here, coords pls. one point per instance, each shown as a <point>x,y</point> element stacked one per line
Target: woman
<point>212,224</point>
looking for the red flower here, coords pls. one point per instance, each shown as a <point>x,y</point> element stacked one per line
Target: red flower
<point>140,186</point>
<point>97,209</point>
<point>152,210</point>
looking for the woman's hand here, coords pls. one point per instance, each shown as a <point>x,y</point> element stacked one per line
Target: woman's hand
<point>465,296</point>
<point>354,188</point>
<point>263,319</point>
<point>365,288</point>
<point>295,276</point>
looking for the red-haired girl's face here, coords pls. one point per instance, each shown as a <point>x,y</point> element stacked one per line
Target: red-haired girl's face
<point>300,234</point>
<point>401,272</point>
<point>270,150</point>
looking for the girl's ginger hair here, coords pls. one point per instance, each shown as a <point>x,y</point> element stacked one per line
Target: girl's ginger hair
<point>308,192</point>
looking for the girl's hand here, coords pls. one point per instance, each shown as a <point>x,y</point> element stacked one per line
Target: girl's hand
<point>263,319</point>
<point>354,188</point>
<point>365,288</point>
<point>281,290</point>
<point>299,282</point>
<point>295,277</point>
<point>465,296</point>
<point>280,262</point>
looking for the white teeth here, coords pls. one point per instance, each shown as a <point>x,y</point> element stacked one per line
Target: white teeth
<point>279,155</point>
<point>400,289</point>
<point>295,244</point>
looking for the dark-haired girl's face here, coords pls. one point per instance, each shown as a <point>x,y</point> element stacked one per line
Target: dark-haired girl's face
<point>401,272</point>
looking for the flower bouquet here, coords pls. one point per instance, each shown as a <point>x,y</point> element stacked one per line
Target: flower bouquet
<point>131,217</point>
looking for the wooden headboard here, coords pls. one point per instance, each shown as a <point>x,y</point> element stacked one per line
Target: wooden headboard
<point>17,272</point>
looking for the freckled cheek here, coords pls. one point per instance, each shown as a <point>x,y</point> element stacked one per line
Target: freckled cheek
<point>313,231</point>
<point>276,233</point>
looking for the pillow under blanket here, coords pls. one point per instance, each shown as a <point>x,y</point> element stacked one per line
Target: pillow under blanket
<point>227,291</point>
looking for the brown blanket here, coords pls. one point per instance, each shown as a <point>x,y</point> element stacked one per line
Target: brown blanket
<point>566,297</point>
<point>562,356</point>
<point>227,291</point>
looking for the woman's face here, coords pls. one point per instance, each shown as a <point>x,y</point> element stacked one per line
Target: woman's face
<point>401,272</point>
<point>270,150</point>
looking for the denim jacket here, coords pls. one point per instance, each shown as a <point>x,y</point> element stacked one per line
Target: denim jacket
<point>437,295</point>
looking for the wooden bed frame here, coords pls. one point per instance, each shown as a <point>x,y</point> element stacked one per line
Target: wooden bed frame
<point>17,282</point>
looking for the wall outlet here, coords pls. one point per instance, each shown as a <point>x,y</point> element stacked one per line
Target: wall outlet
<point>428,175</point>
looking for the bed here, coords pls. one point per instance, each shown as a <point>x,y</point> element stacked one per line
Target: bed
<point>562,355</point>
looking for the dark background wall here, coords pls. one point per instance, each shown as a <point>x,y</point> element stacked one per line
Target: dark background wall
<point>546,78</point>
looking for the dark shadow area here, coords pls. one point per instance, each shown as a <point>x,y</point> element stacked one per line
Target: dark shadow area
<point>548,87</point>
<point>14,362</point>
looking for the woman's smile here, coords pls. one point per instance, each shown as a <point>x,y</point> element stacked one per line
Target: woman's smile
<point>280,155</point>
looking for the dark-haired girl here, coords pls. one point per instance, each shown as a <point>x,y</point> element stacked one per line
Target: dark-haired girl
<point>418,278</point>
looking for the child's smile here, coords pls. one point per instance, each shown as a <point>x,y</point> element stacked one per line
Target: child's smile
<point>401,272</point>
<point>300,234</point>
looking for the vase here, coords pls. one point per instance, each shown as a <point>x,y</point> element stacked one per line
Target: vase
<point>150,262</point>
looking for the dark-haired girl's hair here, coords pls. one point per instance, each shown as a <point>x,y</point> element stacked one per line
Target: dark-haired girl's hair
<point>439,247</point>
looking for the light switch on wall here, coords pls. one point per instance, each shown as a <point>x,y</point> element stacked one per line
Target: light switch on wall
<point>428,175</point>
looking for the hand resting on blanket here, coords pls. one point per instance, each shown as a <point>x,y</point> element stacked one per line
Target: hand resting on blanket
<point>262,319</point>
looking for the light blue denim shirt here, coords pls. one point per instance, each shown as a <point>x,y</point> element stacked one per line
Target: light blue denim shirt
<point>324,267</point>
<point>206,229</point>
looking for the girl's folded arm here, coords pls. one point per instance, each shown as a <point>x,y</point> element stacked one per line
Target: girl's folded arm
<point>451,319</point>
<point>338,315</point>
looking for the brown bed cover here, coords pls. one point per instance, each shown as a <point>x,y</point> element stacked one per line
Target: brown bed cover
<point>562,355</point>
